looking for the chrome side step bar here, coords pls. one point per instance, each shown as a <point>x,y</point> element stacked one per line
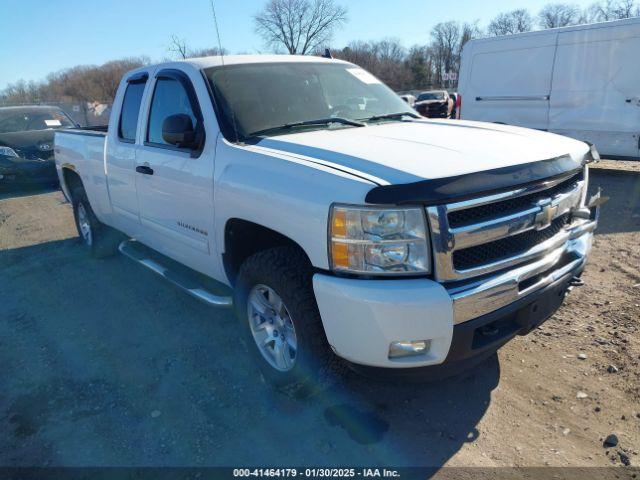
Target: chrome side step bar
<point>133,250</point>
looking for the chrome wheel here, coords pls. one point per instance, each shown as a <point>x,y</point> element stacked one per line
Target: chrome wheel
<point>272,328</point>
<point>84,225</point>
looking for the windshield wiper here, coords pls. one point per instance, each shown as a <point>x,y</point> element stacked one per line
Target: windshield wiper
<point>391,115</point>
<point>319,121</point>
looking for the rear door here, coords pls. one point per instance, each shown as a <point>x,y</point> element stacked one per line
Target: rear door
<point>121,154</point>
<point>596,88</point>
<point>175,185</point>
<point>509,80</point>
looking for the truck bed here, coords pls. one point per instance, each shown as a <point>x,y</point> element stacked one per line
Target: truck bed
<point>83,150</point>
<point>89,130</point>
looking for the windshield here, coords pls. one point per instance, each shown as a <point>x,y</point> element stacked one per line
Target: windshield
<point>22,120</point>
<point>265,96</point>
<point>431,96</point>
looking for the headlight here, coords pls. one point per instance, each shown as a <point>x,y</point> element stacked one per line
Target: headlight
<point>8,152</point>
<point>378,241</point>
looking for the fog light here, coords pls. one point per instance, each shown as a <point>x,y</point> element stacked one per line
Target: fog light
<point>408,348</point>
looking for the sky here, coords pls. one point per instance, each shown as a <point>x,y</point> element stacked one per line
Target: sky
<point>42,36</point>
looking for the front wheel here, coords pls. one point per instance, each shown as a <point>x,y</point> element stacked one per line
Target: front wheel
<point>277,310</point>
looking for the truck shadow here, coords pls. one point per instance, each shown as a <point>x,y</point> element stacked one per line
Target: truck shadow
<point>400,423</point>
<point>106,364</point>
<point>621,213</point>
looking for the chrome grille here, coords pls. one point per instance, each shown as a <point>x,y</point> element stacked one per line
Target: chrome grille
<point>497,250</point>
<point>488,211</point>
<point>497,231</point>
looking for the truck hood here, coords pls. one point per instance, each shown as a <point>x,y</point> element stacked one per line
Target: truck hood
<point>405,152</point>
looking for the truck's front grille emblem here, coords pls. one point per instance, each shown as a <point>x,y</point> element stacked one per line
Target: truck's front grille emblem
<point>546,215</point>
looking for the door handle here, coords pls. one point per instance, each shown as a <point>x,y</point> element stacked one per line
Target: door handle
<point>144,169</point>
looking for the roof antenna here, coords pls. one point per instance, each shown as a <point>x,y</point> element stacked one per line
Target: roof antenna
<point>224,71</point>
<point>327,53</point>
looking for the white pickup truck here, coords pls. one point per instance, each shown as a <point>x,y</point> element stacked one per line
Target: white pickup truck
<point>342,226</point>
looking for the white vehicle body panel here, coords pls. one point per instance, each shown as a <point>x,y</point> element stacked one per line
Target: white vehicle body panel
<point>363,329</point>
<point>86,153</point>
<point>287,184</point>
<point>426,149</point>
<point>580,81</point>
<point>121,173</point>
<point>285,194</point>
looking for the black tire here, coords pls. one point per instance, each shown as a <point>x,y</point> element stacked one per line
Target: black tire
<point>104,240</point>
<point>287,271</point>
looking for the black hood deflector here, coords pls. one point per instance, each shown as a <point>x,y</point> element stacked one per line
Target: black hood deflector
<point>463,187</point>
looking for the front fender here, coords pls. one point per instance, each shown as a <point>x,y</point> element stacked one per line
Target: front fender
<point>282,192</point>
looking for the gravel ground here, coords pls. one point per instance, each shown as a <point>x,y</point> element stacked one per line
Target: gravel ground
<point>102,363</point>
<point>619,165</point>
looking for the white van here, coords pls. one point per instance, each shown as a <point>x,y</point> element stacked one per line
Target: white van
<point>582,81</point>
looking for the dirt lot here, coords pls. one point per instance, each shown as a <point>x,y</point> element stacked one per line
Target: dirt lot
<point>102,363</point>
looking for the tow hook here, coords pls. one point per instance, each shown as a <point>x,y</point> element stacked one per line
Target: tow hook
<point>591,210</point>
<point>576,282</point>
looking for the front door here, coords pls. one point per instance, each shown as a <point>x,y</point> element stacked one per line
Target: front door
<point>175,185</point>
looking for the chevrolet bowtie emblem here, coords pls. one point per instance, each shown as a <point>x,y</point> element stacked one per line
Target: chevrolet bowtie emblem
<point>546,215</point>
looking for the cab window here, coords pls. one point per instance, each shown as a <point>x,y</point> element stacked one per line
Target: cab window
<point>130,111</point>
<point>169,98</point>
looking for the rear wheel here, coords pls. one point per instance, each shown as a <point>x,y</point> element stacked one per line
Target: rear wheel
<point>277,310</point>
<point>101,240</point>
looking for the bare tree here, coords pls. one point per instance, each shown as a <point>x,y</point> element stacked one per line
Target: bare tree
<point>445,46</point>
<point>509,23</point>
<point>18,92</point>
<point>469,32</point>
<point>386,59</point>
<point>390,62</point>
<point>360,53</point>
<point>181,50</point>
<point>422,66</point>
<point>556,15</point>
<point>178,47</point>
<point>448,40</point>
<point>207,52</point>
<point>83,84</point>
<point>301,26</point>
<point>613,10</point>
<point>419,62</point>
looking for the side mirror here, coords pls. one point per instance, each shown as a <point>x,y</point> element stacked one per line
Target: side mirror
<point>178,130</point>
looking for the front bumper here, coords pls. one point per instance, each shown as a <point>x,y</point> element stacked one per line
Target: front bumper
<point>362,317</point>
<point>437,110</point>
<point>23,171</point>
